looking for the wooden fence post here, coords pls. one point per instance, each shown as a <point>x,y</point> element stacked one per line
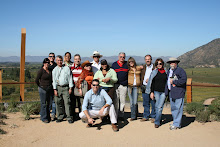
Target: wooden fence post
<point>189,90</point>
<point>1,86</point>
<point>22,63</point>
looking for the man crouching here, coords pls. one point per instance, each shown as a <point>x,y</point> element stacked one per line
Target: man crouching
<point>97,104</point>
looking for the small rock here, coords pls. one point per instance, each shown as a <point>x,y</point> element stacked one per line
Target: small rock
<point>208,101</point>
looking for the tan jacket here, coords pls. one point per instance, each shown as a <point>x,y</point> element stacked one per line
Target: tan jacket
<point>137,74</point>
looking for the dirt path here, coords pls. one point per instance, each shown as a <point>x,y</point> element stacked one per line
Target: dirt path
<point>136,133</point>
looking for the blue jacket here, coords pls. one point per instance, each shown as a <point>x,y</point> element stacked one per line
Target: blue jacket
<point>177,91</point>
<point>152,75</point>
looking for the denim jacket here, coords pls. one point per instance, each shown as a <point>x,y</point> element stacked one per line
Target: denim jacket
<point>152,75</point>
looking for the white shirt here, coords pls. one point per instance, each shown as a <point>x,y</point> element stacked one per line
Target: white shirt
<point>168,80</point>
<point>95,66</point>
<point>134,80</point>
<point>147,73</point>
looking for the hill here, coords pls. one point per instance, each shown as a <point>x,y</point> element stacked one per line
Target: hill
<point>207,55</point>
<point>110,59</point>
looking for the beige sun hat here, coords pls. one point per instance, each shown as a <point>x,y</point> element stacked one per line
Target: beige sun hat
<point>173,59</point>
<point>96,53</point>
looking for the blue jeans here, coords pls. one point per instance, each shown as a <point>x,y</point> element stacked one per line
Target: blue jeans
<point>133,95</point>
<point>160,98</point>
<point>52,104</point>
<point>45,101</point>
<point>146,103</point>
<point>177,111</point>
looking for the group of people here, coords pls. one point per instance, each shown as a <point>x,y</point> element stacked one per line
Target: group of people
<point>105,88</point>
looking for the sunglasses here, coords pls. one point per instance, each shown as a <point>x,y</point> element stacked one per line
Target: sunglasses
<point>95,84</point>
<point>87,65</point>
<point>51,56</point>
<point>159,64</point>
<point>122,57</point>
<point>96,56</point>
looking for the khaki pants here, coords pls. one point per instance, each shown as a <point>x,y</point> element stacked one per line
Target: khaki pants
<point>63,105</point>
<point>119,99</point>
<point>95,114</point>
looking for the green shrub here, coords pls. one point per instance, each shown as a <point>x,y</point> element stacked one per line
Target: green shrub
<point>214,109</point>
<point>13,106</point>
<point>194,108</point>
<point>203,116</point>
<point>2,131</point>
<point>2,108</point>
<point>3,116</point>
<point>29,109</point>
<point>2,122</point>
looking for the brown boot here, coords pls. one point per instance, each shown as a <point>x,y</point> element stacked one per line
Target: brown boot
<point>114,128</point>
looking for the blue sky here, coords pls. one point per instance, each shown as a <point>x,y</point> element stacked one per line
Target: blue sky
<point>137,27</point>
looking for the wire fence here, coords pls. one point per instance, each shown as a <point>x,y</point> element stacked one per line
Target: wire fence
<point>11,92</point>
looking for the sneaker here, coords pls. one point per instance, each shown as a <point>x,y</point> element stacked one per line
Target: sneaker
<point>173,127</point>
<point>59,120</point>
<point>115,128</point>
<point>152,120</point>
<point>144,119</point>
<point>70,121</point>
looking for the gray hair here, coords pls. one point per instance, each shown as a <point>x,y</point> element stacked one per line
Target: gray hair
<point>59,56</point>
<point>122,53</point>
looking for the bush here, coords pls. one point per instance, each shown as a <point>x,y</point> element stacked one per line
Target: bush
<point>203,116</point>
<point>2,131</point>
<point>214,109</point>
<point>13,106</point>
<point>29,109</point>
<point>194,108</point>
<point>2,108</point>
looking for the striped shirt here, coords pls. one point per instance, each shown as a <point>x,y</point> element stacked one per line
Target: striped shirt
<point>76,71</point>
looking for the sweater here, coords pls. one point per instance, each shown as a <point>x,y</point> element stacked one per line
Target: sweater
<point>110,74</point>
<point>85,75</point>
<point>122,72</point>
<point>43,79</point>
<point>159,82</point>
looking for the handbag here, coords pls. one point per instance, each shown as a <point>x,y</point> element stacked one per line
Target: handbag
<point>84,87</point>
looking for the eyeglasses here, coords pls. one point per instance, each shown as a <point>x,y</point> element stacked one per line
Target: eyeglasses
<point>122,57</point>
<point>51,56</point>
<point>131,61</point>
<point>95,84</point>
<point>159,64</point>
<point>87,65</point>
<point>96,56</point>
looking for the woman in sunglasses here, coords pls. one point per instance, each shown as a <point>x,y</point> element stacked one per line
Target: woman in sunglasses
<point>156,89</point>
<point>107,77</point>
<point>44,82</point>
<point>134,81</point>
<point>86,74</point>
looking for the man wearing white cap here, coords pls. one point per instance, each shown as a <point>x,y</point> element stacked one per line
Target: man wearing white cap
<point>176,88</point>
<point>96,65</point>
